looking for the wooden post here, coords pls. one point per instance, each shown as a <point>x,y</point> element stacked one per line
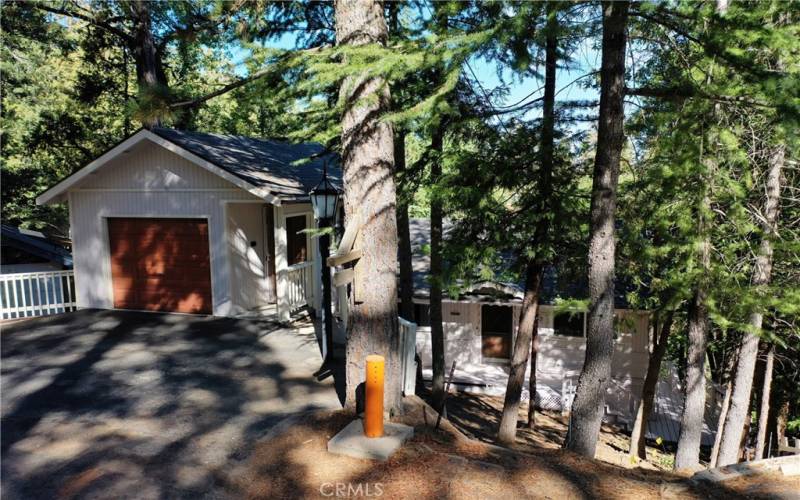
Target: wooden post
<point>282,288</point>
<point>373,401</point>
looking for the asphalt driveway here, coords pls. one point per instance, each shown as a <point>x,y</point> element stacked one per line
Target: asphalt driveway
<point>109,404</point>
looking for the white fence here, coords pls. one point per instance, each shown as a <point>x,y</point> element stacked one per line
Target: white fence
<point>408,341</point>
<point>300,282</point>
<point>24,295</point>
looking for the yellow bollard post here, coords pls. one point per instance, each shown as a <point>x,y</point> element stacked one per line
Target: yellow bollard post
<point>373,400</point>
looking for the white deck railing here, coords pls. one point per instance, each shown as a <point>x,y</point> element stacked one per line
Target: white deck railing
<point>299,288</point>
<point>24,295</point>
<point>408,341</point>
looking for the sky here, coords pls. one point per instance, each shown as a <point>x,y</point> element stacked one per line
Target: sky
<point>586,59</point>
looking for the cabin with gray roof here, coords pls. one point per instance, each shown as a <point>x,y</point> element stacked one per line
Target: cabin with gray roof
<point>26,251</point>
<point>190,222</point>
<point>480,326</point>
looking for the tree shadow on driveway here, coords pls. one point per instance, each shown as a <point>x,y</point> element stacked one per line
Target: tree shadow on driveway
<point>121,403</point>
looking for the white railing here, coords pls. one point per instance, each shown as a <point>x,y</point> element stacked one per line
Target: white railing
<point>299,278</point>
<point>24,295</point>
<point>408,342</point>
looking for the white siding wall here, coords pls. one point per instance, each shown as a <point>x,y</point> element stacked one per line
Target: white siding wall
<point>149,181</point>
<point>559,358</point>
<point>246,225</point>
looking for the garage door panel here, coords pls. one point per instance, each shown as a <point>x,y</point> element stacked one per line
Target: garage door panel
<point>160,264</point>
<point>160,227</point>
<point>162,270</point>
<point>178,284</point>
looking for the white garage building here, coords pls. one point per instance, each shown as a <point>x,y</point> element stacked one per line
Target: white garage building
<point>198,223</point>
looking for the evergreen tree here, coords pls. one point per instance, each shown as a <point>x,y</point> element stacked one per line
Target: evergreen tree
<point>587,408</point>
<point>369,202</point>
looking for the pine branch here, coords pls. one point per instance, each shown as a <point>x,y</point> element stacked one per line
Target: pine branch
<point>686,93</point>
<point>194,102</point>
<point>191,103</point>
<point>91,20</point>
<point>710,48</point>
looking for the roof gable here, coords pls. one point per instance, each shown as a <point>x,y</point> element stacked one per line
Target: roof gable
<point>266,169</point>
<point>57,192</point>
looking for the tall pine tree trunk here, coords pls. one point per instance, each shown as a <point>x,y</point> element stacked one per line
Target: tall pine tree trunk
<point>403,235</point>
<point>694,401</point>
<point>519,358</point>
<point>150,74</point>
<point>532,379</point>
<point>726,403</point>
<point>690,438</point>
<point>743,376</point>
<point>587,408</point>
<point>437,329</point>
<point>149,67</point>
<point>369,196</point>
<point>403,196</point>
<point>645,409</point>
<point>526,331</point>
<point>763,413</point>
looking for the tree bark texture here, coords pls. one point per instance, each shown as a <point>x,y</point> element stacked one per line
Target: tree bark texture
<point>150,74</point>
<point>403,231</point>
<point>762,273</point>
<point>507,433</point>
<point>694,401</point>
<point>587,408</point>
<point>645,408</point>
<point>369,192</point>
<point>723,412</point>
<point>149,67</point>
<point>526,330</point>
<point>532,378</point>
<point>763,413</point>
<point>437,329</point>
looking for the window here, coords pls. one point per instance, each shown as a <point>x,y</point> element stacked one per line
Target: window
<point>496,327</point>
<point>296,242</point>
<point>568,324</point>
<point>623,324</point>
<point>422,314</point>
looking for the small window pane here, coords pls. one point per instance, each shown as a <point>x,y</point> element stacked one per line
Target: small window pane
<point>623,324</point>
<point>568,324</point>
<point>296,241</point>
<point>496,328</point>
<point>422,314</point>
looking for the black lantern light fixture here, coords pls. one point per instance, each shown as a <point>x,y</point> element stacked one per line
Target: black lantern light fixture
<point>324,198</point>
<point>325,202</point>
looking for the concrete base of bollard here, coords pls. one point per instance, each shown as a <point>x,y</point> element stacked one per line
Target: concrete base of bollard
<point>352,442</point>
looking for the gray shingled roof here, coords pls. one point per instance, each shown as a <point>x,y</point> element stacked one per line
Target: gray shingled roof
<point>552,286</point>
<point>36,243</point>
<point>264,163</point>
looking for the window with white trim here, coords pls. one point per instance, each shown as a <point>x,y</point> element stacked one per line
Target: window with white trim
<point>569,324</point>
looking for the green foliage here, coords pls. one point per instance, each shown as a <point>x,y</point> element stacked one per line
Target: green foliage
<point>702,146</point>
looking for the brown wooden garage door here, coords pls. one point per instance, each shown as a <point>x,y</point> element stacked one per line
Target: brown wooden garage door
<point>160,264</point>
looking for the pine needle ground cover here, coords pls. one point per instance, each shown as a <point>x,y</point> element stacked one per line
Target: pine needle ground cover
<point>294,463</point>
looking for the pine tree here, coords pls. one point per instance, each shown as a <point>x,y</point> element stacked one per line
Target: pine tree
<point>587,408</point>
<point>525,343</point>
<point>369,200</point>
